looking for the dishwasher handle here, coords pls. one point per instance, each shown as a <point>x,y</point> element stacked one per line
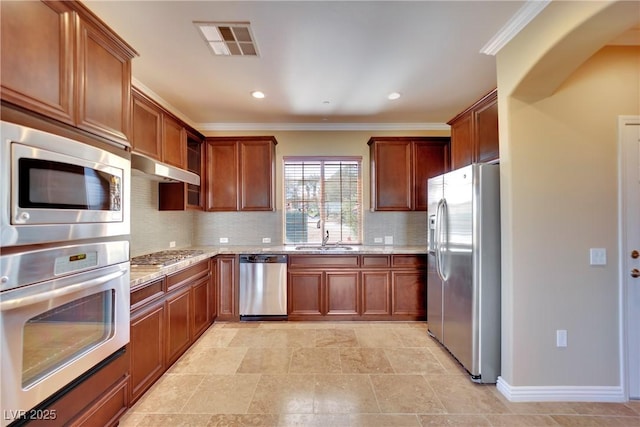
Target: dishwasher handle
<point>263,259</point>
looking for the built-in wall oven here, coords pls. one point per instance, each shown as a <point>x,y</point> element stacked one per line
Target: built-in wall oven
<point>64,310</point>
<point>64,265</point>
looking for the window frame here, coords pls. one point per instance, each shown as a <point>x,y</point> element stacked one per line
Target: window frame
<point>322,207</point>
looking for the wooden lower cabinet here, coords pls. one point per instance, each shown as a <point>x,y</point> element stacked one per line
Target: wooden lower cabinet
<point>343,293</point>
<point>226,287</point>
<point>146,348</point>
<point>178,306</point>
<point>365,288</point>
<point>98,399</point>
<point>408,296</point>
<point>376,293</point>
<point>201,303</point>
<point>305,295</point>
<point>167,316</point>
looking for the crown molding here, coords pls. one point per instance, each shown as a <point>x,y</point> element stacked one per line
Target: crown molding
<point>322,126</point>
<point>518,21</point>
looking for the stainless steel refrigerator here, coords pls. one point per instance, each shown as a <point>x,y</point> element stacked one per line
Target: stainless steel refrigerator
<point>463,279</point>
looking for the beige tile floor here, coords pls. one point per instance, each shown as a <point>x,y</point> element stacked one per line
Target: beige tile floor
<point>340,374</point>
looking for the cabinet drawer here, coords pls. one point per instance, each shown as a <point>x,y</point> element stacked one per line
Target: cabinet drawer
<point>146,292</point>
<point>189,274</point>
<point>413,261</point>
<point>375,261</point>
<point>322,261</point>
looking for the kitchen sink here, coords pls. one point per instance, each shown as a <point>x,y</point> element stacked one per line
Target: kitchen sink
<point>324,248</point>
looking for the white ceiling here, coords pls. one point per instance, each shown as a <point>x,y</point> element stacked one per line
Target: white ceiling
<point>321,63</point>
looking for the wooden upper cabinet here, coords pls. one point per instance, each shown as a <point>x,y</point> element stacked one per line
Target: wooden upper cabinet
<point>257,170</point>
<point>474,133</point>
<point>174,144</point>
<point>104,91</point>
<point>37,57</point>
<point>486,129</point>
<point>60,61</point>
<point>147,127</point>
<point>430,158</point>
<point>391,171</point>
<point>462,148</point>
<point>222,175</point>
<point>240,173</point>
<point>400,168</point>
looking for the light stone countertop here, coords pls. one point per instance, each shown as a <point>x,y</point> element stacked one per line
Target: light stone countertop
<point>143,274</point>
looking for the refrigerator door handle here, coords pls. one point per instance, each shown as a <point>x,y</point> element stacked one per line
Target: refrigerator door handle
<point>440,213</point>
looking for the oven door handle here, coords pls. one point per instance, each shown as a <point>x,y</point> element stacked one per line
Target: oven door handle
<point>12,304</point>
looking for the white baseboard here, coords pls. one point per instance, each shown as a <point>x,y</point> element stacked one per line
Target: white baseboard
<point>561,393</point>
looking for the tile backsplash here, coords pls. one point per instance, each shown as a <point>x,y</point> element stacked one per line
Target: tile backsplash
<point>249,228</point>
<point>152,230</point>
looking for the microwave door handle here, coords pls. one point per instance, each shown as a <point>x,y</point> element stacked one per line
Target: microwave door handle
<point>55,293</point>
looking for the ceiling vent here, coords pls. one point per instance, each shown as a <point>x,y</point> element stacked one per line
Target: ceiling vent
<point>228,38</point>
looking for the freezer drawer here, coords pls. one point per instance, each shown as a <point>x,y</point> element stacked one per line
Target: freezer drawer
<point>263,286</point>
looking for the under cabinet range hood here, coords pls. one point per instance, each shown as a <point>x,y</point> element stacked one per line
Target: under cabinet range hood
<point>161,171</point>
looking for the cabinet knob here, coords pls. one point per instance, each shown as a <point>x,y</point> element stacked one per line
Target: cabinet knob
<point>635,273</point>
<point>635,254</point>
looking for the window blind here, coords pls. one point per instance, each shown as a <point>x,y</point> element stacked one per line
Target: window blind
<point>320,195</point>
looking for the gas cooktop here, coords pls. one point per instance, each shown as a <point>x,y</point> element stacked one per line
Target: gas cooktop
<point>164,258</point>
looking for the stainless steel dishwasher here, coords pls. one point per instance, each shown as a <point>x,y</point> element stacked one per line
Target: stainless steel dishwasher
<point>263,287</point>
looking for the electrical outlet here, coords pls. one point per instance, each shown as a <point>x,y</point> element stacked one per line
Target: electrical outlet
<point>388,240</point>
<point>224,240</point>
<point>377,240</point>
<point>266,240</point>
<point>561,338</point>
<point>172,244</point>
<point>597,256</point>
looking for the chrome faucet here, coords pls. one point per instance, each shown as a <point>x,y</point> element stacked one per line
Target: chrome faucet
<point>325,239</point>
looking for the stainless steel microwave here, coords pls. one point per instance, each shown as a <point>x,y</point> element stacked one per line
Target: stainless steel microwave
<point>57,189</point>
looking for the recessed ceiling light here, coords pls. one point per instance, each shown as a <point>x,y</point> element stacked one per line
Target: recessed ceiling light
<point>393,95</point>
<point>257,94</point>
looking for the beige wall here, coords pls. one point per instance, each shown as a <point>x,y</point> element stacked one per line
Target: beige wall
<point>559,198</point>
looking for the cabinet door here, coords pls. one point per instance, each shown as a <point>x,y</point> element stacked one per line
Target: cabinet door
<point>256,175</point>
<point>103,85</point>
<point>462,149</point>
<point>178,307</point>
<point>391,175</point>
<point>200,301</point>
<point>408,294</point>
<point>174,142</point>
<point>226,288</point>
<point>146,348</point>
<point>429,160</point>
<point>486,125</point>
<point>147,128</point>
<point>305,294</point>
<point>376,293</point>
<point>343,293</point>
<point>37,57</point>
<point>222,176</point>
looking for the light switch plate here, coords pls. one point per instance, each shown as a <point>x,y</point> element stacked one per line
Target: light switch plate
<point>266,240</point>
<point>224,240</point>
<point>388,240</point>
<point>597,256</point>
